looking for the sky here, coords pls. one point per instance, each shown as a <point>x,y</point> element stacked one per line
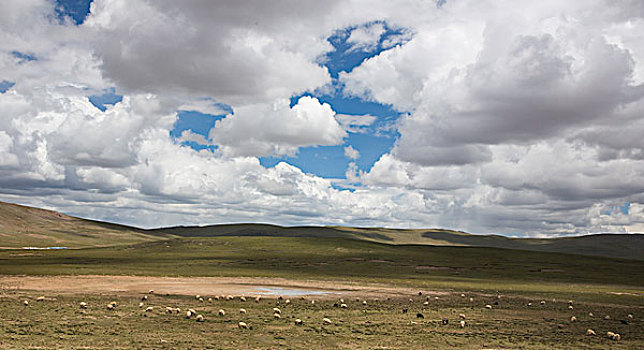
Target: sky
<point>522,118</point>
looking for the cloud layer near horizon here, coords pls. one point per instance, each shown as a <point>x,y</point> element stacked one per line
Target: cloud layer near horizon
<point>517,117</point>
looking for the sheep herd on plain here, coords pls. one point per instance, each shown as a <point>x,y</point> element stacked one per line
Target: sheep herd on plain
<point>277,312</point>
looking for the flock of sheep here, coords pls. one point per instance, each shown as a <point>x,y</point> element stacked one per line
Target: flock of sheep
<point>277,312</point>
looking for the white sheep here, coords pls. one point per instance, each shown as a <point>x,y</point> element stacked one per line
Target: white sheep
<point>110,307</point>
<point>298,321</point>
<point>436,298</point>
<point>199,318</point>
<point>197,296</point>
<point>242,311</point>
<point>411,300</point>
<point>277,311</point>
<point>462,323</point>
<point>258,298</point>
<point>342,301</point>
<point>169,310</point>
<point>312,302</point>
<point>344,306</point>
<point>210,300</point>
<point>573,319</point>
<point>613,336</point>
<point>221,312</point>
<point>149,309</point>
<point>277,316</point>
<point>426,303</point>
<point>570,302</point>
<point>471,299</point>
<point>141,304</point>
<point>364,303</point>
<point>230,297</point>
<point>590,314</point>
<point>200,300</point>
<point>287,301</point>
<point>462,316</point>
<point>607,317</point>
<point>590,332</point>
<point>462,295</point>
<point>41,298</point>
<point>630,316</point>
<point>144,298</point>
<point>242,298</point>
<point>326,321</point>
<point>216,297</point>
<point>83,305</point>
<point>488,306</point>
<point>543,302</point>
<point>25,303</point>
<point>151,291</point>
<point>188,314</point>
<point>242,325</point>
<point>529,304</point>
<point>570,307</point>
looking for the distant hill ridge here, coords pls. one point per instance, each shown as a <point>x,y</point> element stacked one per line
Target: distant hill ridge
<point>22,226</point>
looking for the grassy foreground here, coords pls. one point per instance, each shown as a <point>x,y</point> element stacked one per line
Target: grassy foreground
<point>602,286</point>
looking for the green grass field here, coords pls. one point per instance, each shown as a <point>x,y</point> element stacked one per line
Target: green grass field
<point>603,286</point>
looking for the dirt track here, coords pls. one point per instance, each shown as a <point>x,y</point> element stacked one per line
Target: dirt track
<point>197,285</point>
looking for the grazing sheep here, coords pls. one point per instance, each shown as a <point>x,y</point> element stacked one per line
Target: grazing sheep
<point>242,325</point>
<point>573,319</point>
<point>197,296</point>
<point>277,316</point>
<point>461,316</point>
<point>193,311</point>
<point>543,302</point>
<point>326,321</point>
<point>488,306</point>
<point>110,307</point>
<point>419,315</point>
<point>287,301</point>
<point>411,300</point>
<point>242,298</point>
<point>149,309</point>
<point>462,323</point>
<point>617,337</point>
<point>341,301</point>
<point>590,314</point>
<point>210,300</point>
<point>570,307</point>
<point>199,318</point>
<point>216,297</point>
<point>343,306</point>
<point>607,317</point>
<point>426,303</point>
<point>177,310</point>
<point>25,303</point>
<point>169,310</point>
<point>41,298</point>
<point>471,300</point>
<point>200,300</point>
<point>113,303</point>
<point>445,321</point>
<point>258,298</point>
<point>221,312</point>
<point>144,298</point>
<point>242,311</point>
<point>141,304</point>
<point>298,321</point>
<point>357,300</point>
<point>613,336</point>
<point>280,298</point>
<point>83,305</point>
<point>312,302</point>
<point>427,298</point>
<point>529,304</point>
<point>630,316</point>
<point>570,302</point>
<point>188,314</point>
<point>590,332</point>
<point>277,311</point>
<point>151,291</point>
<point>230,297</point>
<point>436,298</point>
<point>462,295</point>
<point>364,303</point>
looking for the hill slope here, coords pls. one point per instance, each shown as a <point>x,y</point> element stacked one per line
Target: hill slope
<point>22,226</point>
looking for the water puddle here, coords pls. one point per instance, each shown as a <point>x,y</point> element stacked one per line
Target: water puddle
<point>289,291</point>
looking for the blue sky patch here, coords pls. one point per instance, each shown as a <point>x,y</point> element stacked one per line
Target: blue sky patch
<point>109,97</point>
<point>77,10</point>
<point>23,57</point>
<point>6,85</point>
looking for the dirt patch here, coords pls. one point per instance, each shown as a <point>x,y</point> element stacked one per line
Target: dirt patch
<point>249,286</point>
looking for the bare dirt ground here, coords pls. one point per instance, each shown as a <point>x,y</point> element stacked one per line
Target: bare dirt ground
<point>248,286</point>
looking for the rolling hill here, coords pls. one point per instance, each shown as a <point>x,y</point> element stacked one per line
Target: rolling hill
<point>22,226</point>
